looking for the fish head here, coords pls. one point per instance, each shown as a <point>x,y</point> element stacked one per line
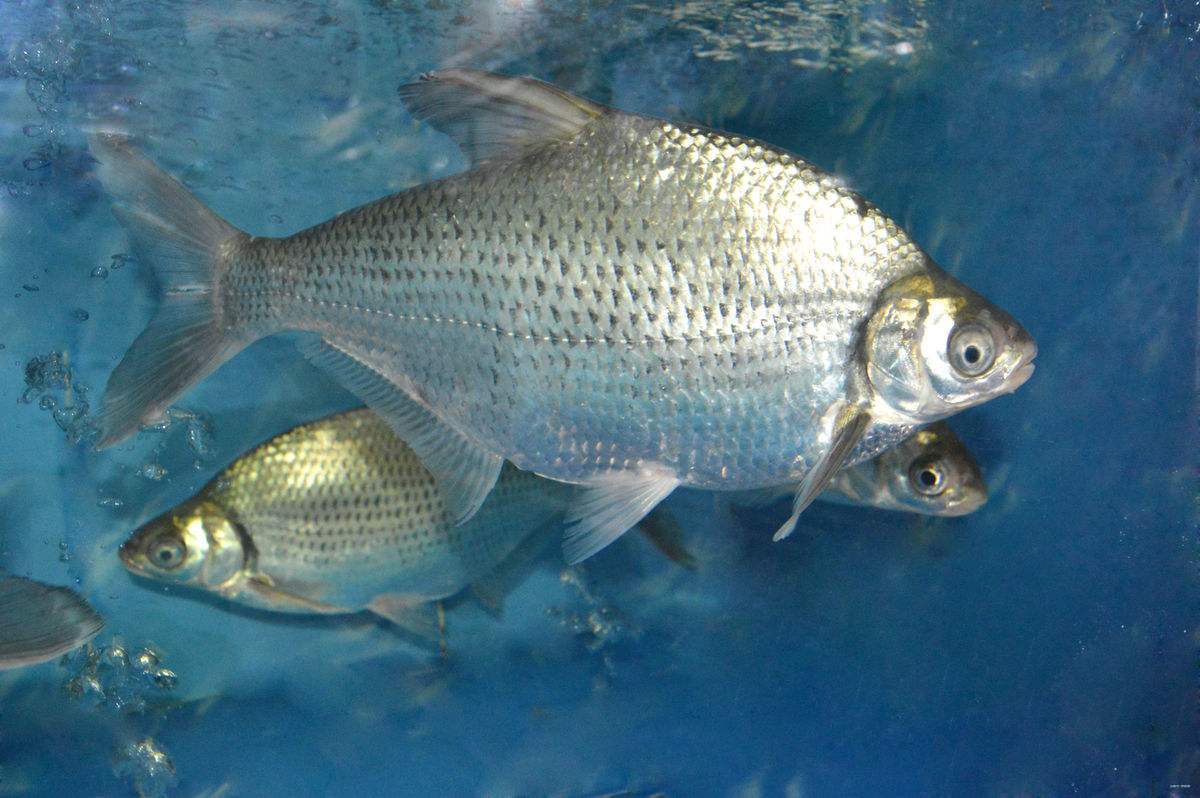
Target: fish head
<point>931,473</point>
<point>933,347</point>
<point>196,544</point>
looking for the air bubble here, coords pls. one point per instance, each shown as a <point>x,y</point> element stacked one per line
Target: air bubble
<point>106,676</point>
<point>148,768</point>
<point>153,471</point>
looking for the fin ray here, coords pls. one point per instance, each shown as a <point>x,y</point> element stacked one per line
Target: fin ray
<point>612,504</point>
<point>660,528</point>
<point>183,242</point>
<point>465,472</point>
<point>490,115</point>
<point>848,428</point>
<point>493,588</point>
<point>425,619</point>
<point>40,622</point>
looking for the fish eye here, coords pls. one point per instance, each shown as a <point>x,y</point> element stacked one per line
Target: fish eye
<point>927,477</point>
<point>168,553</point>
<point>971,349</point>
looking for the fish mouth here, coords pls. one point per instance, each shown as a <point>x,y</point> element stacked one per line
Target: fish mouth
<point>973,498</point>
<point>1020,376</point>
<point>129,558</point>
<point>1027,352</point>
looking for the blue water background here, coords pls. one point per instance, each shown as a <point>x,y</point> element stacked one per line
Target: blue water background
<point>1048,154</point>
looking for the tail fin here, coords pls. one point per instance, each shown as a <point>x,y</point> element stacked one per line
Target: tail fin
<point>183,242</point>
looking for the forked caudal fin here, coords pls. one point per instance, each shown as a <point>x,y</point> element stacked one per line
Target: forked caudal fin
<point>184,243</point>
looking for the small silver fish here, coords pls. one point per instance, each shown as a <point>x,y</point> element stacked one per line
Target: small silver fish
<point>929,473</point>
<point>605,299</point>
<point>339,516</point>
<point>40,622</point>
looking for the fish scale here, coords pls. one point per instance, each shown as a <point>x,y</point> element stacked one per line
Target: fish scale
<point>342,504</point>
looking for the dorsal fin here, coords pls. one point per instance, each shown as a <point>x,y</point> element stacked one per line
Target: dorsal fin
<point>491,116</point>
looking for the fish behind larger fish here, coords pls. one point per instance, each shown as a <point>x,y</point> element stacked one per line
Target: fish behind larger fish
<point>338,516</point>
<point>605,299</point>
<point>930,473</point>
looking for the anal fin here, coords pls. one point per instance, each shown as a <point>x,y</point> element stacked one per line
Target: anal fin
<point>465,472</point>
<point>848,428</point>
<point>425,619</point>
<point>493,588</point>
<point>661,529</point>
<point>611,504</point>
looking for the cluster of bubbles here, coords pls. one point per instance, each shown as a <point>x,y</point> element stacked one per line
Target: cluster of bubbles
<point>49,380</point>
<point>48,49</point>
<point>197,430</point>
<point>109,677</point>
<point>50,383</point>
<point>147,767</point>
<point>596,625</point>
<point>116,263</point>
<point>814,34</point>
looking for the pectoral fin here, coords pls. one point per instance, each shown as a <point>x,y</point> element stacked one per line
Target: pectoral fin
<point>848,429</point>
<point>465,472</point>
<point>611,504</point>
<point>266,593</point>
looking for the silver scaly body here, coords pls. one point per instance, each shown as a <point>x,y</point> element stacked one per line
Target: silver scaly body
<point>645,293</point>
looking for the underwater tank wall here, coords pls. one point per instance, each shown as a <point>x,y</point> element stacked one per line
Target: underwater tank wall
<point>1046,154</point>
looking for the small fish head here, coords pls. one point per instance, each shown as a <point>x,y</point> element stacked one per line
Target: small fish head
<point>934,347</point>
<point>931,473</point>
<point>195,544</point>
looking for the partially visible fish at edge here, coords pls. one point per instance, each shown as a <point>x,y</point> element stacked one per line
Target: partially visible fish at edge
<point>39,622</point>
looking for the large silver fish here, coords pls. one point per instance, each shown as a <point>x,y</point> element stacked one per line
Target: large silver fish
<point>605,299</point>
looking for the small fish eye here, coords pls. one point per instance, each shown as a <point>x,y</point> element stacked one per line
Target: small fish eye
<point>971,349</point>
<point>927,477</point>
<point>168,553</point>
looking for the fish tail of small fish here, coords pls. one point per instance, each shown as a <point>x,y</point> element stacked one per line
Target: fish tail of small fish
<point>185,244</point>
